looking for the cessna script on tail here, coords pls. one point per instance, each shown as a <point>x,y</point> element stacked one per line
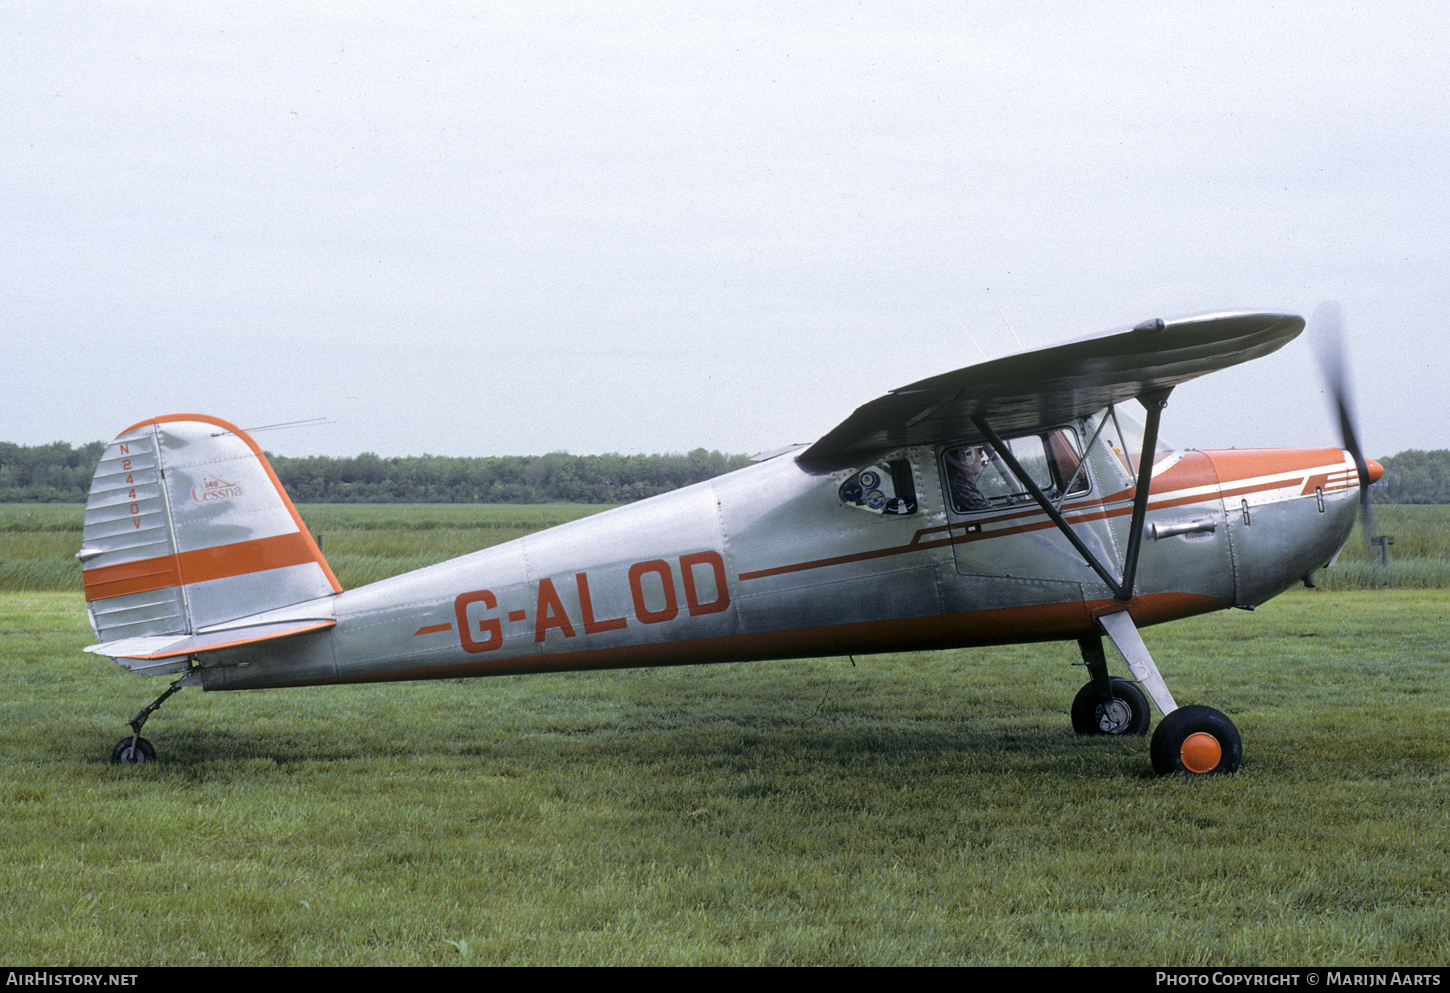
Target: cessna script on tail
<point>1019,500</point>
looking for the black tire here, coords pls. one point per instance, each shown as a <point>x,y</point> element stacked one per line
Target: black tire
<point>126,754</point>
<point>1127,714</point>
<point>1196,741</point>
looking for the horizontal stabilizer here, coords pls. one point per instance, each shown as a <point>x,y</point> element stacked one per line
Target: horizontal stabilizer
<point>165,648</point>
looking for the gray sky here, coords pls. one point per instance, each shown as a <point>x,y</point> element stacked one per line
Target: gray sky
<point>477,228</point>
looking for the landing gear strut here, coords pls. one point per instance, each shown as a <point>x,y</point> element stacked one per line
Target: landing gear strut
<point>134,749</point>
<point>1107,705</point>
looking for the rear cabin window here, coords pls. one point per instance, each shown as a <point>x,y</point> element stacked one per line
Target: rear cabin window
<point>882,488</point>
<point>977,478</point>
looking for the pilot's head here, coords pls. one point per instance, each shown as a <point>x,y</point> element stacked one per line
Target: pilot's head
<point>968,460</point>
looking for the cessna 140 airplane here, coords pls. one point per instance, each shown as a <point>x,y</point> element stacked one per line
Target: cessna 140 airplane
<point>1011,501</point>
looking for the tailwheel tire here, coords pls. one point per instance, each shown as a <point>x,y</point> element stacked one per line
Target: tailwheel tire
<point>127,753</point>
<point>1197,741</point>
<point>1126,713</point>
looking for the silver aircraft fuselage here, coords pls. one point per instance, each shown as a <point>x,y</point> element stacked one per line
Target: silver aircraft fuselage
<point>770,562</point>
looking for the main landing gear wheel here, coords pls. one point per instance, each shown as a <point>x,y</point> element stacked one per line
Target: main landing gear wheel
<point>1198,741</point>
<point>1126,713</point>
<point>132,750</point>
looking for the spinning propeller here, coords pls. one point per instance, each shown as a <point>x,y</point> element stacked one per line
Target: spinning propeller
<point>1329,345</point>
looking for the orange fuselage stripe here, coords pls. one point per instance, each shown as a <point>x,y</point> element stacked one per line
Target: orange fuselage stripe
<point>1194,472</point>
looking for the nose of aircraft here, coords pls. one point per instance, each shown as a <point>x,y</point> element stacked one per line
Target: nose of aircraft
<point>1375,470</point>
<point>1287,511</point>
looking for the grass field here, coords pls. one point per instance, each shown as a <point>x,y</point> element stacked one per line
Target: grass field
<point>905,809</point>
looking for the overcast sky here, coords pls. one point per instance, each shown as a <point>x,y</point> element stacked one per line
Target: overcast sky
<point>488,228</point>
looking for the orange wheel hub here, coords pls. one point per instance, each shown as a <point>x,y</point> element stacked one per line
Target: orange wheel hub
<point>1201,752</point>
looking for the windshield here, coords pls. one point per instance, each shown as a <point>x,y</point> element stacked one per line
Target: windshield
<point>1122,434</point>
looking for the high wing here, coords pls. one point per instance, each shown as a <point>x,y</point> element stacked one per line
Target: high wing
<point>1052,385</point>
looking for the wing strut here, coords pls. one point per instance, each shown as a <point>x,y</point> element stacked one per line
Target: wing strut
<point>1154,403</point>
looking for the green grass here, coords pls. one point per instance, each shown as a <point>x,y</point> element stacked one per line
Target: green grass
<point>1419,530</point>
<point>907,809</point>
<point>1419,557</point>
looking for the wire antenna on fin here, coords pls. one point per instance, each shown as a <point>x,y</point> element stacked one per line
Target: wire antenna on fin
<point>1005,321</point>
<point>311,422</point>
<point>963,325</point>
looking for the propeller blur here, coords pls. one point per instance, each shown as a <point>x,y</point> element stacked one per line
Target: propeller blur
<point>1334,369</point>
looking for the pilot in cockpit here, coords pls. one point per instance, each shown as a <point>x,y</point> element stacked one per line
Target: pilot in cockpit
<point>964,465</point>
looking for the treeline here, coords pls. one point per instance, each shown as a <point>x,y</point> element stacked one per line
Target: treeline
<point>1414,477</point>
<point>554,478</point>
<point>55,473</point>
<point>58,473</point>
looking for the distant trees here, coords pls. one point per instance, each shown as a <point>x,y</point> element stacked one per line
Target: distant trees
<point>554,478</point>
<point>54,473</point>
<point>60,473</point>
<point>1414,477</point>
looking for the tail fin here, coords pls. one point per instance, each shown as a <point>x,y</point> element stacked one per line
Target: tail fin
<point>191,543</point>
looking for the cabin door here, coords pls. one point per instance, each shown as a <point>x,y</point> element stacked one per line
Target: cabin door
<point>1007,550</point>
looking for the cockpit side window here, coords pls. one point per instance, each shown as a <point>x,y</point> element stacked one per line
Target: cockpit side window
<point>977,477</point>
<point>882,488</point>
<point>1068,469</point>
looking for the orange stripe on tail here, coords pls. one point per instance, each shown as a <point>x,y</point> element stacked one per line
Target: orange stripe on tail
<point>201,565</point>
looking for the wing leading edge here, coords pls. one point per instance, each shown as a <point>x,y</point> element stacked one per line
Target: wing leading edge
<point>1052,385</point>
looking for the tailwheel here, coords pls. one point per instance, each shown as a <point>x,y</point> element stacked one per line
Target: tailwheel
<point>1126,713</point>
<point>1198,741</point>
<point>132,750</point>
